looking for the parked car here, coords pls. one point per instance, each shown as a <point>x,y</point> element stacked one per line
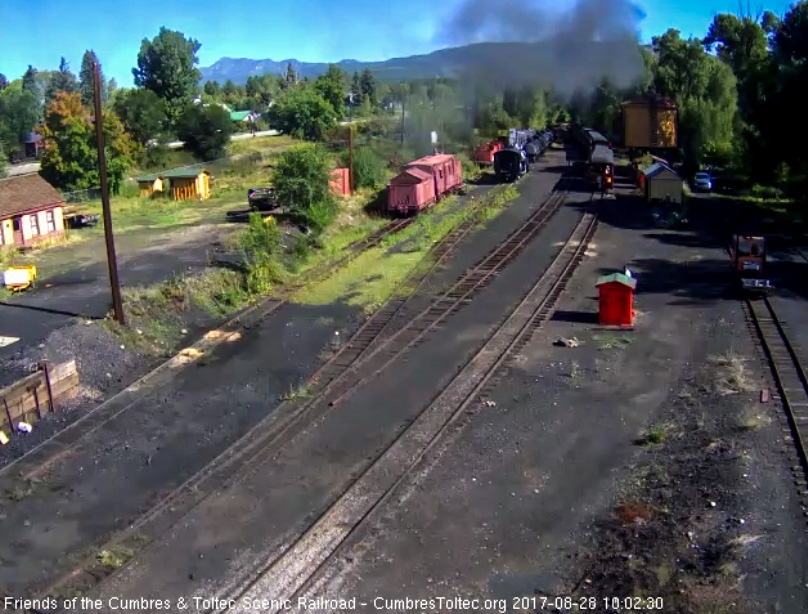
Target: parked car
<point>82,221</point>
<point>262,199</point>
<point>702,182</point>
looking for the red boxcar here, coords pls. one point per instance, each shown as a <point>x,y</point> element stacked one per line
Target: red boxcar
<point>484,154</point>
<point>410,191</point>
<point>445,170</point>
<point>340,183</point>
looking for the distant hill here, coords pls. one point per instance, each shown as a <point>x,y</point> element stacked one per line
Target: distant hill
<point>543,59</point>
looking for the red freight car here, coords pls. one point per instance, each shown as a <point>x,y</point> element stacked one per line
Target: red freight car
<point>445,169</point>
<point>484,154</point>
<point>410,191</point>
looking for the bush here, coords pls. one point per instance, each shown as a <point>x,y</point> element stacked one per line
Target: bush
<point>262,247</point>
<point>302,112</point>
<point>301,183</point>
<point>205,130</point>
<point>368,168</point>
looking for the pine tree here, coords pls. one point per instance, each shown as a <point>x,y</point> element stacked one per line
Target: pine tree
<point>86,82</point>
<point>62,81</point>
<point>291,75</point>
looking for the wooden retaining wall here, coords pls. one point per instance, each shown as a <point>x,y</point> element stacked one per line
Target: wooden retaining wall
<point>35,395</point>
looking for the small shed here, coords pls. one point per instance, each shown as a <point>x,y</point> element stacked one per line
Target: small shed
<point>616,299</point>
<point>660,182</point>
<point>149,185</point>
<point>189,183</point>
<point>340,182</point>
<point>33,145</point>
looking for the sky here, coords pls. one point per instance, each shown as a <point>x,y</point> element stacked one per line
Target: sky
<point>39,32</point>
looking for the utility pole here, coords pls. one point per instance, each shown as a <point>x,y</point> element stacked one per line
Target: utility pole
<point>402,121</point>
<point>112,261</point>
<point>351,154</point>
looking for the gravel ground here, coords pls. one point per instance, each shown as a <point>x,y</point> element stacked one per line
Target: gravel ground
<point>130,463</point>
<point>547,493</point>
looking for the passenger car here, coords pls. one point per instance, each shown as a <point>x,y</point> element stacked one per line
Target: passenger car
<point>702,182</point>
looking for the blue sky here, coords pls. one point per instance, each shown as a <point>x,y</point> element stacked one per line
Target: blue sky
<point>38,32</point>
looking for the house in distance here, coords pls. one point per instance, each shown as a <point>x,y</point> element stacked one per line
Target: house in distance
<point>31,211</point>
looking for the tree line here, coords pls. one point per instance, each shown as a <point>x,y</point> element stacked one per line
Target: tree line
<point>736,88</point>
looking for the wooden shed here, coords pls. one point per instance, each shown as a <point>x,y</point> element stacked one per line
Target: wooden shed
<point>661,183</point>
<point>189,183</point>
<point>149,185</point>
<point>650,122</point>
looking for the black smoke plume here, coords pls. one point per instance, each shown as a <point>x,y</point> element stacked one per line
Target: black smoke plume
<point>569,51</point>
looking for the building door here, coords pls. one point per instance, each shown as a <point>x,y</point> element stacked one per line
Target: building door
<point>17,223</point>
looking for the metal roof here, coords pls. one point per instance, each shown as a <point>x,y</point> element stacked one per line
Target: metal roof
<point>617,278</point>
<point>657,169</point>
<point>147,178</point>
<point>239,116</point>
<point>412,172</point>
<point>184,173</point>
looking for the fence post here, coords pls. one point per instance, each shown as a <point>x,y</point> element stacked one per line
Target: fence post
<point>8,415</point>
<point>46,368</point>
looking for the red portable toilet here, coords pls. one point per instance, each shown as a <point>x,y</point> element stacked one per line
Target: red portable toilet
<point>616,299</point>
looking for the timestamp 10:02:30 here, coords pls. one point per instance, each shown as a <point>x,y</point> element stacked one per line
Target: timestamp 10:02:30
<point>592,604</point>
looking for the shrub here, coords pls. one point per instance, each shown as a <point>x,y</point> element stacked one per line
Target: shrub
<point>301,183</point>
<point>205,130</point>
<point>262,246</point>
<point>368,168</point>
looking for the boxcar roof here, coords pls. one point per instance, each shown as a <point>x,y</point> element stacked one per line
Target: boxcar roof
<point>410,173</point>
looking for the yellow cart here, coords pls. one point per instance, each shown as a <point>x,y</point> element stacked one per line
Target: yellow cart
<point>18,278</point>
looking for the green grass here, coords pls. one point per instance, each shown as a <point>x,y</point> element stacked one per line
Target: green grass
<point>260,143</point>
<point>655,436</point>
<point>373,277</point>
<point>115,557</point>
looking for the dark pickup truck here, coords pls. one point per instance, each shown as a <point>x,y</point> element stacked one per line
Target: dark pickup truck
<point>262,199</point>
<point>81,220</point>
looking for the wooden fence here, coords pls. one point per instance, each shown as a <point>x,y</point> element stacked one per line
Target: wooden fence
<point>28,399</point>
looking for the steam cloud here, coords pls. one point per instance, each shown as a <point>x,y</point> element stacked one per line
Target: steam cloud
<point>572,50</point>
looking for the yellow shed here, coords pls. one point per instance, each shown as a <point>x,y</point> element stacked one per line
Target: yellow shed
<point>149,185</point>
<point>650,122</point>
<point>189,184</point>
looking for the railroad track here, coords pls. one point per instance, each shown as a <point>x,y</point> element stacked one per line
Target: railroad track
<point>788,372</point>
<point>39,459</point>
<point>290,572</point>
<point>291,418</point>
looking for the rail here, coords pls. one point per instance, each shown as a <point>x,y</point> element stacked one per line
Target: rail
<point>295,569</point>
<point>334,381</point>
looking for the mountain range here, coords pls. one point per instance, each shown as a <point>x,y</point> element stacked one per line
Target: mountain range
<point>442,63</point>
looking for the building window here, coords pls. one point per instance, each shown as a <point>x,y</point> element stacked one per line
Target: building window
<point>34,225</point>
<point>50,221</point>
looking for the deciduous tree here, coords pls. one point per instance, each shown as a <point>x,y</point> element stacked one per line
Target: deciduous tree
<point>205,130</point>
<point>143,113</point>
<point>18,116</point>
<point>331,86</point>
<point>70,161</point>
<point>302,112</point>
<point>166,65</point>
<point>301,181</point>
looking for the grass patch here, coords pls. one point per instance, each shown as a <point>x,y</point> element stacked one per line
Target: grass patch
<point>295,394</point>
<point>654,436</point>
<point>260,144</point>
<point>730,374</point>
<point>610,342</point>
<point>20,493</point>
<point>115,557</point>
<point>751,419</point>
<point>377,274</point>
